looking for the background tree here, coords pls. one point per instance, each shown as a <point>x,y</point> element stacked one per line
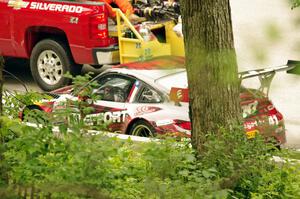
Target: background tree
<point>295,3</point>
<point>211,64</point>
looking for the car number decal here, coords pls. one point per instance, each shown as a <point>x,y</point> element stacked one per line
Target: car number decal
<point>272,120</point>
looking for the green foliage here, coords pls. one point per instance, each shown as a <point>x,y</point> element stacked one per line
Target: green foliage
<point>93,166</point>
<point>14,101</point>
<point>291,154</point>
<point>245,167</point>
<point>77,110</point>
<point>77,165</point>
<point>279,181</point>
<point>295,3</point>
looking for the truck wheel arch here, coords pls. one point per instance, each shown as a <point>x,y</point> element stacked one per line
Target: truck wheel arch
<point>35,34</point>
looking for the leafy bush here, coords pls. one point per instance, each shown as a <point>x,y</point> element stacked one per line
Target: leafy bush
<point>14,101</point>
<point>73,165</point>
<point>78,165</point>
<point>246,167</point>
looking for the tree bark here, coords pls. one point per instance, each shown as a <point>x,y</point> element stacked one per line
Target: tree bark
<point>212,69</point>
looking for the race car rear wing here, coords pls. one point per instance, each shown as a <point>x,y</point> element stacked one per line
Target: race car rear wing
<point>291,67</point>
<point>266,75</point>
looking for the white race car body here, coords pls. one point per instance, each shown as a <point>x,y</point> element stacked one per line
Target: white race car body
<point>154,95</point>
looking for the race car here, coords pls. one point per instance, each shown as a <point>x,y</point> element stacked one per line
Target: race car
<point>151,98</point>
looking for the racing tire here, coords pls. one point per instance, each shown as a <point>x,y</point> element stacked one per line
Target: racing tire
<point>142,128</point>
<point>49,61</point>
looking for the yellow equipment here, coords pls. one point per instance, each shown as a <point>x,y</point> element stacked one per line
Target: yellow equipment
<point>140,47</point>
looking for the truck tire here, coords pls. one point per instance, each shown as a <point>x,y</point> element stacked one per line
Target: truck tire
<point>49,61</point>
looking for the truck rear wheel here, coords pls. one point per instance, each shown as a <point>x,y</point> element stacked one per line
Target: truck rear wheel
<point>50,60</point>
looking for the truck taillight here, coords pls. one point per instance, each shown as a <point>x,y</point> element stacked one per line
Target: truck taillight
<point>98,26</point>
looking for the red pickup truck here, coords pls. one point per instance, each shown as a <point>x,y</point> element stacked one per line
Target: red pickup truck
<point>57,36</point>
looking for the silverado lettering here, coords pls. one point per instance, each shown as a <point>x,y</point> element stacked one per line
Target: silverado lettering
<point>56,7</point>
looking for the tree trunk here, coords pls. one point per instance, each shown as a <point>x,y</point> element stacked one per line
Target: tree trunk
<point>212,69</point>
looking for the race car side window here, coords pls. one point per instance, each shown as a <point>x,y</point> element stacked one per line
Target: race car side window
<point>114,88</point>
<point>149,95</point>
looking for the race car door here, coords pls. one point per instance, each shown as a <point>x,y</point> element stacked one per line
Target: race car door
<point>113,92</point>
